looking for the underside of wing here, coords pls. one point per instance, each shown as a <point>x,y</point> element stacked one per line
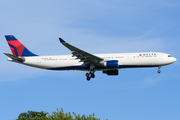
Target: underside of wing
<point>84,57</point>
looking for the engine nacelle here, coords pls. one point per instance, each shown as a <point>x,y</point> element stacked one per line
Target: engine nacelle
<point>111,72</point>
<point>111,64</point>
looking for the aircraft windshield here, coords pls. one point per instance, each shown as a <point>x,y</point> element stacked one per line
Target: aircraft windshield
<point>169,56</point>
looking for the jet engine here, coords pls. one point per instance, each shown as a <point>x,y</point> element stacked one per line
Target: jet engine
<point>111,64</point>
<point>111,72</point>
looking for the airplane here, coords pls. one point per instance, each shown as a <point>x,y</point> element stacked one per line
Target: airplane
<point>81,60</point>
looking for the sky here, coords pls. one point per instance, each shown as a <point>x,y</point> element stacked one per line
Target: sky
<point>96,26</point>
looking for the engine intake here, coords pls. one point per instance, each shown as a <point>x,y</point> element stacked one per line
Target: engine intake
<point>111,64</point>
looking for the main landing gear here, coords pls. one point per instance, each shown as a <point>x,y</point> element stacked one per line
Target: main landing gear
<point>90,75</point>
<point>159,71</point>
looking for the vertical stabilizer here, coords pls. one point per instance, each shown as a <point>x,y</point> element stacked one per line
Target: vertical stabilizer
<point>17,48</point>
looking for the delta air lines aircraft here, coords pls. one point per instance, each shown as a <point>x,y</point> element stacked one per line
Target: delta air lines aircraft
<point>81,60</point>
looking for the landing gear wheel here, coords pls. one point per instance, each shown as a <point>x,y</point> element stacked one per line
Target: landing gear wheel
<point>159,71</point>
<point>88,78</point>
<point>92,76</point>
<point>87,74</point>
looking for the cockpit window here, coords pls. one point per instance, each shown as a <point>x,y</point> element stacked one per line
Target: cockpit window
<point>169,56</point>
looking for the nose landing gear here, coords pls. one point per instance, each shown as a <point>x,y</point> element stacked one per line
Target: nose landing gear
<point>159,71</point>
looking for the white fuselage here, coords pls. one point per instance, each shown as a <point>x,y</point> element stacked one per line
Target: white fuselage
<point>125,60</point>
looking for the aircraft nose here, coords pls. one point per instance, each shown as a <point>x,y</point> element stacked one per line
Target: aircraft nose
<point>171,60</point>
<point>174,59</point>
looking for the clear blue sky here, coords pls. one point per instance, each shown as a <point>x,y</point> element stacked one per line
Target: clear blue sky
<point>96,26</point>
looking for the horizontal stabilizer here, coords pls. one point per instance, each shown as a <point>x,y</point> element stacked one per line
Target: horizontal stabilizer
<point>15,57</point>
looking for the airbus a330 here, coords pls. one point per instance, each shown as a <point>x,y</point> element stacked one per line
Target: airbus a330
<point>81,60</point>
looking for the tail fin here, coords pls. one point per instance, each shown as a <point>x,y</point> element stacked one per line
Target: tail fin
<point>17,48</point>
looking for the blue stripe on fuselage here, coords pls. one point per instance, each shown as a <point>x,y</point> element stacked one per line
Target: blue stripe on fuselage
<point>82,67</point>
<point>79,67</point>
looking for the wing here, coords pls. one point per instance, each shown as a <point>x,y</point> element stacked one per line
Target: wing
<point>85,57</point>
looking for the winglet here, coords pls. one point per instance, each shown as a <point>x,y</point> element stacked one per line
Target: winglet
<point>61,40</point>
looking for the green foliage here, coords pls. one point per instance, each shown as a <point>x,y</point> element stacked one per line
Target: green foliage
<point>33,115</point>
<point>59,115</point>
